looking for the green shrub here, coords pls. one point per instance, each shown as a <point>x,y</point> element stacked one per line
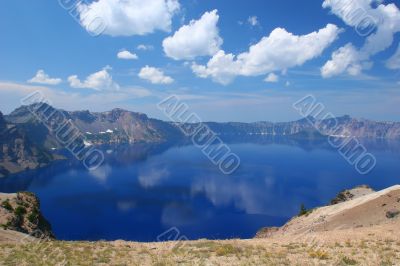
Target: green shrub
<point>33,216</point>
<point>303,210</point>
<point>6,205</point>
<point>20,211</point>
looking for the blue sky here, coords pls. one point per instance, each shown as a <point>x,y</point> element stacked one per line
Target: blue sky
<point>228,60</point>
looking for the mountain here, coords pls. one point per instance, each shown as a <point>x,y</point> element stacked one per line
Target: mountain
<point>29,133</point>
<point>121,126</point>
<point>17,152</point>
<point>115,126</point>
<point>344,126</point>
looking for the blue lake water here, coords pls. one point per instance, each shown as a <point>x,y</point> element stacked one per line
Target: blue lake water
<point>141,191</point>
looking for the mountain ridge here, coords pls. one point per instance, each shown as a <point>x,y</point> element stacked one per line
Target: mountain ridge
<point>119,126</point>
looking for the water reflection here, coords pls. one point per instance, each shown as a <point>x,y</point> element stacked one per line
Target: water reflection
<point>142,190</point>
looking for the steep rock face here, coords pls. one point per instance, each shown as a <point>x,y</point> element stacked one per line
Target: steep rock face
<point>362,128</point>
<point>116,126</point>
<point>21,212</point>
<point>39,134</point>
<point>17,152</point>
<point>2,122</point>
<point>120,126</point>
<point>342,127</point>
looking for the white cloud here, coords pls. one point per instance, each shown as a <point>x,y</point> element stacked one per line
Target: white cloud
<point>198,38</point>
<point>346,57</point>
<point>101,80</point>
<point>127,17</point>
<point>222,68</point>
<point>276,52</point>
<point>154,75</point>
<point>253,21</point>
<point>272,78</point>
<point>127,55</point>
<point>394,61</point>
<point>145,47</point>
<point>75,99</point>
<point>42,78</point>
<point>384,19</point>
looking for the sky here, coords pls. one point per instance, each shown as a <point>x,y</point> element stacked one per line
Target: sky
<point>242,60</point>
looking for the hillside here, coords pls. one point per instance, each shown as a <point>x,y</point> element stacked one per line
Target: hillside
<point>363,208</point>
<point>115,126</point>
<point>367,235</point>
<point>18,152</point>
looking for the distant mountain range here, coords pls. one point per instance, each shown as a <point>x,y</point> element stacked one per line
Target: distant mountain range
<point>26,142</point>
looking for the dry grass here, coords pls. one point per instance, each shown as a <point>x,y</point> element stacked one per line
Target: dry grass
<point>374,251</point>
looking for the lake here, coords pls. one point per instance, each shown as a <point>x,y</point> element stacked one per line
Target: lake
<point>143,190</point>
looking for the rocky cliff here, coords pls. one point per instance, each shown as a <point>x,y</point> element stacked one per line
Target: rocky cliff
<point>17,151</point>
<point>344,126</point>
<point>115,126</point>
<point>21,212</point>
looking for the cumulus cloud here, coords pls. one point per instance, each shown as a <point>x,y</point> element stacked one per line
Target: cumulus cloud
<point>384,19</point>
<point>272,78</point>
<point>198,38</point>
<point>394,61</point>
<point>101,80</point>
<point>277,52</point>
<point>222,68</point>
<point>127,55</point>
<point>154,75</point>
<point>42,78</point>
<point>346,57</point>
<point>127,17</point>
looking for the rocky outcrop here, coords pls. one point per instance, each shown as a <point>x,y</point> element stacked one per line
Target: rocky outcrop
<point>21,212</point>
<point>350,194</point>
<point>266,232</point>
